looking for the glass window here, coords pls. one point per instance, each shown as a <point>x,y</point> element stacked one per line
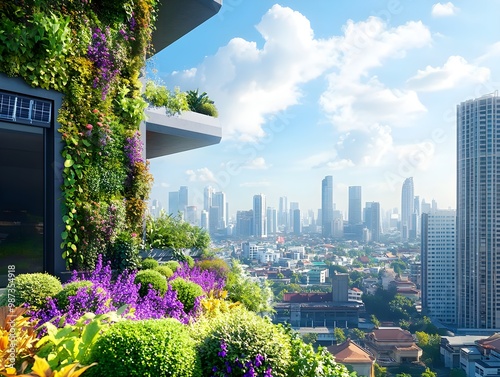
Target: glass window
<point>21,198</point>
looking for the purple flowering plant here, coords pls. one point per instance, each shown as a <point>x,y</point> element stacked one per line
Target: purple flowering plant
<point>107,294</point>
<point>228,365</point>
<point>208,280</point>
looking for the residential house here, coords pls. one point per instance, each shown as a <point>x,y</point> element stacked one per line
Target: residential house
<point>393,344</point>
<point>354,357</point>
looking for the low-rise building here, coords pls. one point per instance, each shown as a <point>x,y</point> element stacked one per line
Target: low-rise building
<point>350,354</point>
<point>393,343</point>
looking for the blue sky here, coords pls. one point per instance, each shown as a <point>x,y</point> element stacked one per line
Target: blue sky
<point>363,91</point>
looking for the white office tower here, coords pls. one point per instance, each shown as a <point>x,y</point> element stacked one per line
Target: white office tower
<point>204,220</point>
<point>438,263</point>
<point>272,220</point>
<point>478,213</point>
<point>207,198</point>
<point>283,213</point>
<point>259,216</point>
<point>219,201</point>
<point>327,206</point>
<point>407,203</point>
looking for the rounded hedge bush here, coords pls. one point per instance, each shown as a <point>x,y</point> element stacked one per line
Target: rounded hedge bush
<point>68,290</point>
<point>34,289</point>
<point>187,291</point>
<point>173,264</point>
<point>150,348</point>
<point>151,277</point>
<point>244,336</point>
<point>149,264</point>
<point>165,271</point>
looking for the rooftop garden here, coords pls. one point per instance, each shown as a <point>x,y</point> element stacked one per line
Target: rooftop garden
<point>123,316</point>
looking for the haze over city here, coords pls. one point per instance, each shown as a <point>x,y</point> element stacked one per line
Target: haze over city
<point>365,92</point>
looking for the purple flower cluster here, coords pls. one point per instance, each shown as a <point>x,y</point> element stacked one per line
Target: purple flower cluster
<point>99,53</point>
<point>251,368</point>
<point>207,280</point>
<point>107,294</point>
<point>134,149</point>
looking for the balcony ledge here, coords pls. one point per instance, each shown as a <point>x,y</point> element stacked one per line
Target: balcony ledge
<point>166,134</point>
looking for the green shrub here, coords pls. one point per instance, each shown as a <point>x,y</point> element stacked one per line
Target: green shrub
<point>34,289</point>
<point>165,271</point>
<point>149,264</point>
<point>69,290</point>
<point>150,348</point>
<point>187,291</point>
<point>208,109</point>
<point>124,253</point>
<point>245,335</point>
<point>153,278</point>
<point>173,264</point>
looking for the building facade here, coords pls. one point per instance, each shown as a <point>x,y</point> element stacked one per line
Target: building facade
<point>407,203</point>
<point>327,206</point>
<point>354,205</point>
<point>259,216</point>
<point>478,210</point>
<point>438,264</point>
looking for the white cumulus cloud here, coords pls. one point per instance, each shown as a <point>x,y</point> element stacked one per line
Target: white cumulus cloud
<point>444,9</point>
<point>201,175</point>
<point>456,71</point>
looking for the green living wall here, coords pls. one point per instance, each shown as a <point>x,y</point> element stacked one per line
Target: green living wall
<point>92,51</point>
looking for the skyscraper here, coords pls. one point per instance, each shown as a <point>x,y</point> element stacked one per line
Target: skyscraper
<point>207,198</point>
<point>478,213</point>
<point>354,205</point>
<point>327,206</point>
<point>372,220</point>
<point>259,215</point>
<point>283,213</point>
<point>407,203</point>
<point>183,198</point>
<point>173,203</point>
<point>219,201</point>
<point>438,261</point>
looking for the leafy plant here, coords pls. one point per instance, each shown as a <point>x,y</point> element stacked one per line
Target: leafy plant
<point>150,279</point>
<point>70,344</point>
<point>187,292</point>
<point>164,270</point>
<point>41,368</point>
<point>17,337</point>
<point>245,335</point>
<point>33,289</point>
<point>70,289</point>
<point>149,264</point>
<point>160,96</point>
<point>201,103</point>
<point>150,348</point>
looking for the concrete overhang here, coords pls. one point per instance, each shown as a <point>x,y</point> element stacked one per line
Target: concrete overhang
<point>176,18</point>
<point>178,133</point>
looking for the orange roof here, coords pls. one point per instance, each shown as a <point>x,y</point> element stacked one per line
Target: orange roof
<point>350,352</point>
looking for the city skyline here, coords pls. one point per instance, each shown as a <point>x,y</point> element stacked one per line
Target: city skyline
<point>304,90</point>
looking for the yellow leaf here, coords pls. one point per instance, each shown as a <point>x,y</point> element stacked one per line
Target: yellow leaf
<point>41,367</point>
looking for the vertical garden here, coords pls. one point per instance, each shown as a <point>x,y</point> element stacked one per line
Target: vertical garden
<point>92,51</point>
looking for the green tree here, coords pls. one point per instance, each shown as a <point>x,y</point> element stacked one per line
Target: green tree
<point>430,344</point>
<point>399,266</point>
<point>309,338</point>
<point>201,103</point>
<point>339,335</point>
<point>428,373</point>
<point>375,321</point>
<point>356,279</point>
<point>380,371</point>
<point>357,333</point>
<point>457,372</point>
<point>241,288</point>
<point>401,307</point>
